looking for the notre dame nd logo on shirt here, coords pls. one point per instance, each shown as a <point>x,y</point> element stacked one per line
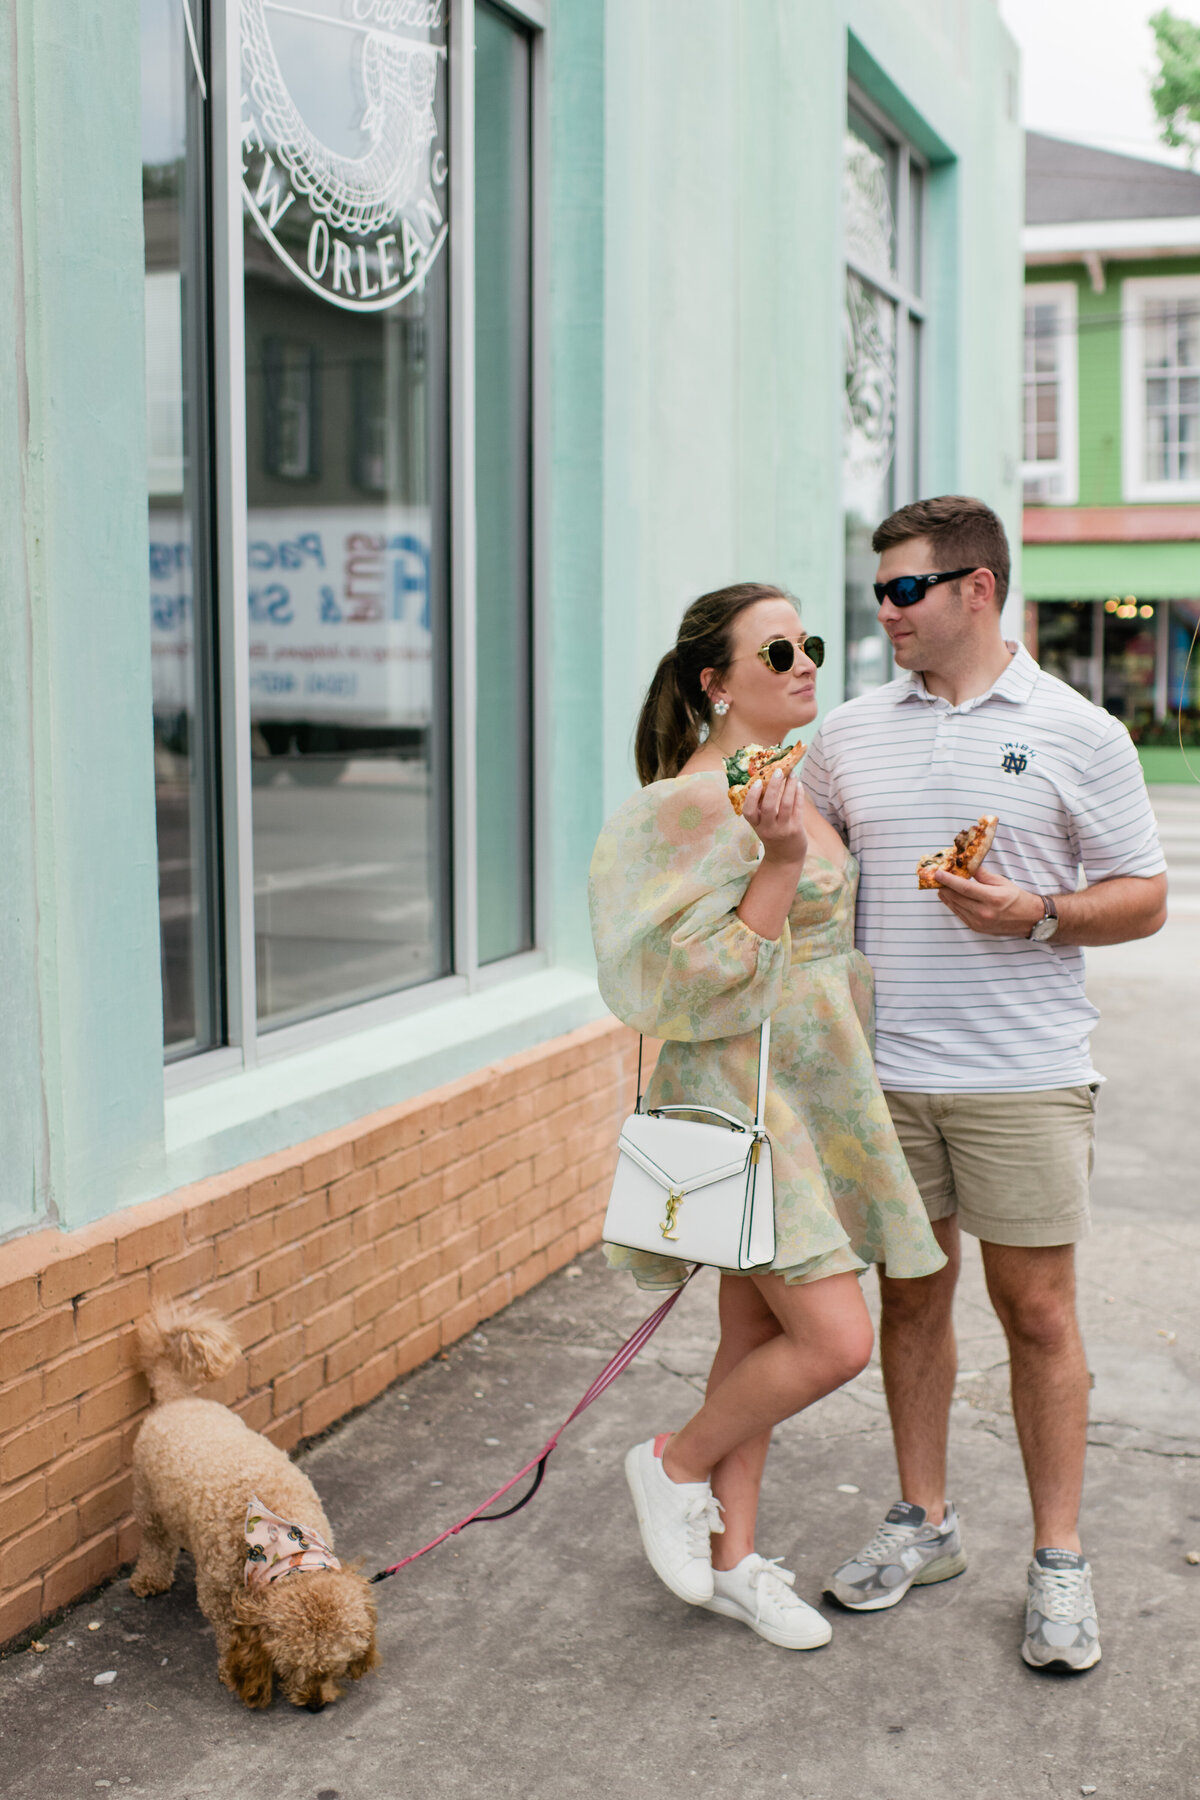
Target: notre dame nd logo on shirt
<point>1015,758</point>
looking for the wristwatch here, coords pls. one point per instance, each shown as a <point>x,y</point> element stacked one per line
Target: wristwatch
<point>1047,925</point>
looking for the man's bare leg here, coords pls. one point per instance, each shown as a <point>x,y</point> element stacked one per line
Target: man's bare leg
<point>920,1364</point>
<point>1033,1292</point>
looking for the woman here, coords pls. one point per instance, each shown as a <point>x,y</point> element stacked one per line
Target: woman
<point>705,925</point>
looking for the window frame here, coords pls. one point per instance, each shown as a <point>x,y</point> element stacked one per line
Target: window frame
<point>248,1044</point>
<point>1064,295</point>
<point>1135,292</point>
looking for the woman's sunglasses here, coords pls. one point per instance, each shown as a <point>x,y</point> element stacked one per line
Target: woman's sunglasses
<point>906,590</point>
<point>780,653</point>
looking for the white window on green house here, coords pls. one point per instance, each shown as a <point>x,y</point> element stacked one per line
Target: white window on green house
<point>340,485</point>
<point>883,201</point>
<point>1050,466</point>
<point>1162,388</point>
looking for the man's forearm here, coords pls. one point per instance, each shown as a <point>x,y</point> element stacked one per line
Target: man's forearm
<point>1112,912</point>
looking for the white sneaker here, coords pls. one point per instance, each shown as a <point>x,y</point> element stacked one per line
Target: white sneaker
<point>674,1518</point>
<point>759,1593</point>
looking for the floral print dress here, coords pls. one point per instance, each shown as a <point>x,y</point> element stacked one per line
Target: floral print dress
<point>676,962</point>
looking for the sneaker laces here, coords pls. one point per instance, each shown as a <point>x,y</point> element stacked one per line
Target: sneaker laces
<point>702,1516</point>
<point>771,1583</point>
<point>892,1535</point>
<point>1058,1594</point>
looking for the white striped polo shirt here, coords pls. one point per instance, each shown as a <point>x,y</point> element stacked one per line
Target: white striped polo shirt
<point>899,771</point>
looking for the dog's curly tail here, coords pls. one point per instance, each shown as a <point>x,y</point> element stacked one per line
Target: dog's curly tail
<point>180,1348</point>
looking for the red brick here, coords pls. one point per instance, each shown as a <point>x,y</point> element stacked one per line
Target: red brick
<point>129,1539</point>
<point>397,1171</point>
<point>21,1507</point>
<point>106,1505</point>
<point>20,1402</point>
<point>31,1345</point>
<point>328,1245</point>
<point>300,1302</point>
<point>232,1293</point>
<point>501,1225</point>
<point>112,1306</point>
<point>112,1405</point>
<point>282,1270</point>
<point>324,1408</point>
<point>18,1300</point>
<point>151,1244</point>
<point>377,1220</point>
<point>183,1274</point>
<point>82,1370</point>
<point>231,1388</point>
<point>255,1324</point>
<point>284,1432</point>
<point>215,1216</point>
<point>85,1568</point>
<point>436,1152</point>
<point>462,1318</point>
<point>347,1276</point>
<point>397,1323</point>
<point>516,1249</point>
<point>374,1376</point>
<point>85,1469</point>
<point>528,1273</point>
<point>436,1227</point>
<point>480,1204</point>
<point>417,1348</point>
<point>478,1271</point>
<point>439,1298</point>
<point>420,1197</point>
<point>350,1354</point>
<point>322,1169</point>
<point>326,1327</point>
<point>255,1409</point>
<point>299,1220</point>
<point>20,1609</point>
<point>294,1388</point>
<point>376,1297</point>
<point>245,1245</point>
<point>513,1181</point>
<point>351,1192</point>
<point>36,1445</point>
<point>462,1177</point>
<point>70,1276</point>
<point>273,1191</point>
<point>33,1553</point>
<point>275,1357</point>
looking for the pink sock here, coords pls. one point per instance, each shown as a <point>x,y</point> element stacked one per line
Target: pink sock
<point>661,1442</point>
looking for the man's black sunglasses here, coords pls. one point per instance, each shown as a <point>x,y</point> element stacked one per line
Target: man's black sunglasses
<point>906,590</point>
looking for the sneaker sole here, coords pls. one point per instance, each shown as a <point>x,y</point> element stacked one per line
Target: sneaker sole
<point>1060,1662</point>
<point>944,1569</point>
<point>665,1574</point>
<point>729,1610</point>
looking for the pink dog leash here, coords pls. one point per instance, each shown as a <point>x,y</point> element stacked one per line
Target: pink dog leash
<point>608,1374</point>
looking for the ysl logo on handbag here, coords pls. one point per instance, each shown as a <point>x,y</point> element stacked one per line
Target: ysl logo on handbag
<point>674,1202</point>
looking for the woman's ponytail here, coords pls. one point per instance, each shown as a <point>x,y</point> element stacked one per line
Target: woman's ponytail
<point>676,707</point>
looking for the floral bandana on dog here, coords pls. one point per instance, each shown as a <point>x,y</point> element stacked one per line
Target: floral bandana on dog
<point>280,1547</point>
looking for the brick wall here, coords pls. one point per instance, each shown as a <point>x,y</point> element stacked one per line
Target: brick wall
<point>342,1264</point>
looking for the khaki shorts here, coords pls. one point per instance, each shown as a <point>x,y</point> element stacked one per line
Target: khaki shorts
<point>1014,1167</point>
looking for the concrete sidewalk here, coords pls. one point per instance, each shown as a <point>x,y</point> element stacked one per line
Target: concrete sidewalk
<point>540,1657</point>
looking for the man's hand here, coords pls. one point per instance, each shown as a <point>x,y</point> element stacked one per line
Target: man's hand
<point>989,904</point>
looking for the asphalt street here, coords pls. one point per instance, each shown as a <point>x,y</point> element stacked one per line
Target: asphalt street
<point>540,1657</point>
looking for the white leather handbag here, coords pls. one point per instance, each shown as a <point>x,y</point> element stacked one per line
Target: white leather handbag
<point>696,1183</point>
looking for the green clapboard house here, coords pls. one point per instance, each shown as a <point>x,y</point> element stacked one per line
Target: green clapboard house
<point>1112,436</point>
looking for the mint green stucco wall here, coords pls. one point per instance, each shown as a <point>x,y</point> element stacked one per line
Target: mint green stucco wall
<point>694,319</point>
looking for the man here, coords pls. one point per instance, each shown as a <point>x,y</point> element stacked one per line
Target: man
<point>983,1024</point>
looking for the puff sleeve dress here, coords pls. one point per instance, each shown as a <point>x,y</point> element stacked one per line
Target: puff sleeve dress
<point>676,962</point>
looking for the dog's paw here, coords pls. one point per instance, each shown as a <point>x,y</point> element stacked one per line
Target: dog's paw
<point>144,1582</point>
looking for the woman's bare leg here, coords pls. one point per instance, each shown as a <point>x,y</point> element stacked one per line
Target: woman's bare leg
<point>824,1339</point>
<point>746,1322</point>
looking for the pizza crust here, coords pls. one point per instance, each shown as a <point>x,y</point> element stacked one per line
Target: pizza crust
<point>964,856</point>
<point>785,764</point>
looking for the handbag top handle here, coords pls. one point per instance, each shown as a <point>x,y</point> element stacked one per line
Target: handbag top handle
<point>764,1057</point>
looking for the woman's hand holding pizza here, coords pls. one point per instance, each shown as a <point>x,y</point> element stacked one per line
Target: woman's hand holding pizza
<point>989,903</point>
<point>774,809</point>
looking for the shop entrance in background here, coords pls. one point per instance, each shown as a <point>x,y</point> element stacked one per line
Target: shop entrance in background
<point>1129,656</point>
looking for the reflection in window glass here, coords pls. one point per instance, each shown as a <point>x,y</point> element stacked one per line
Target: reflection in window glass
<point>174,209</point>
<point>502,478</point>
<point>346,459</point>
<point>1065,644</point>
<point>1171,350</point>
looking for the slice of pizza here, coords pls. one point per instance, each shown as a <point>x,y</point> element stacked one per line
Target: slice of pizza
<point>963,856</point>
<point>752,763</point>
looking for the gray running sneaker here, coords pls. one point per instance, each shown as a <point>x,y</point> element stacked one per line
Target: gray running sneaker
<point>905,1552</point>
<point>1060,1613</point>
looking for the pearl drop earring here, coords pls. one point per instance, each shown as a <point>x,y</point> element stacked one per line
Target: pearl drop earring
<point>720,707</point>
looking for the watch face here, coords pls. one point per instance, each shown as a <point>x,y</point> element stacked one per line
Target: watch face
<point>1045,928</point>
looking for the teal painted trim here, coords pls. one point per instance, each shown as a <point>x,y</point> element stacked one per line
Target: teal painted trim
<point>1095,571</point>
<point>883,91</point>
<point>86,548</point>
<point>576,44</point>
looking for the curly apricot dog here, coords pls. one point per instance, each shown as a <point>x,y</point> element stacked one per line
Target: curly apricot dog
<point>196,1469</point>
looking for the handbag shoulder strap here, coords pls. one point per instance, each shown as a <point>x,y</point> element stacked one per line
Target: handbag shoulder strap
<point>764,1057</point>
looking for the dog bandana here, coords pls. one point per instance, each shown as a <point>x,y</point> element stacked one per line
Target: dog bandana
<point>280,1547</point>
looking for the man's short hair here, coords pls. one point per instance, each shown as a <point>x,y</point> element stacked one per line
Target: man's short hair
<point>963,532</point>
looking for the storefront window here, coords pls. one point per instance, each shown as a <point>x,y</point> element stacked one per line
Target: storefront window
<point>175,205</point>
<point>503,501</point>
<point>348,505</point>
<point>1161,351</point>
<point>883,203</point>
